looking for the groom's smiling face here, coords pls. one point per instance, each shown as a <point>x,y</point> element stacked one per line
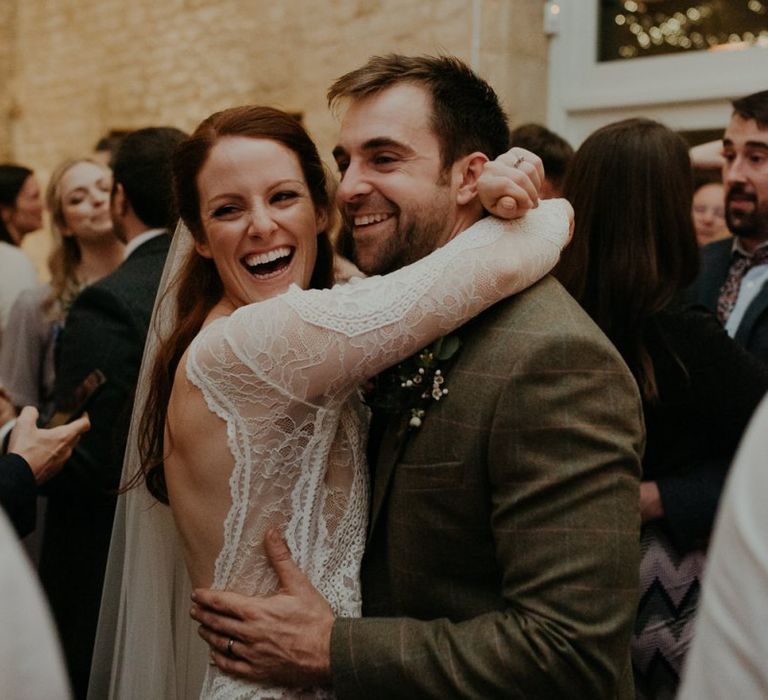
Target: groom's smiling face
<point>395,197</point>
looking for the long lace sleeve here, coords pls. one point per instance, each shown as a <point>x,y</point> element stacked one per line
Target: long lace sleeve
<point>282,375</point>
<point>316,343</point>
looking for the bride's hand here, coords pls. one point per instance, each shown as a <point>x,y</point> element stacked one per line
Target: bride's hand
<point>509,186</point>
<point>344,270</point>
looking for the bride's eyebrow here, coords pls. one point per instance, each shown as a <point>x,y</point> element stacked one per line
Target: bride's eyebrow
<point>291,182</point>
<point>288,181</point>
<point>210,201</point>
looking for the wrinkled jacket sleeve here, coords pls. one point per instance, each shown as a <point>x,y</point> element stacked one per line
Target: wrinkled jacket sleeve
<point>18,493</point>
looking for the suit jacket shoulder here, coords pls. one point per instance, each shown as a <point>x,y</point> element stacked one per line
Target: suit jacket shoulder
<point>106,330</point>
<point>134,284</point>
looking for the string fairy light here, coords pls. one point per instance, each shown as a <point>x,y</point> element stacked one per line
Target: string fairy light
<point>646,29</point>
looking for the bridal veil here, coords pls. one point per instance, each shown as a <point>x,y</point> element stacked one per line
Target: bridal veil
<point>141,651</point>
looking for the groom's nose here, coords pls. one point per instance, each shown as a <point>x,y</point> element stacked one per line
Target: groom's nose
<point>354,184</point>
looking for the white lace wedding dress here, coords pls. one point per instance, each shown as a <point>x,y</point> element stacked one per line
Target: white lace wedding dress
<point>284,375</point>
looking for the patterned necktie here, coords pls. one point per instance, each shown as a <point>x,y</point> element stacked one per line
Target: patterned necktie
<point>740,265</point>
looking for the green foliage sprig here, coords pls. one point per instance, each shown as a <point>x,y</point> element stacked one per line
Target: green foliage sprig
<point>412,386</point>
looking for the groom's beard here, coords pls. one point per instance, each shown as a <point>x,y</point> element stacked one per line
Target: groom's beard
<point>745,222</point>
<point>414,235</point>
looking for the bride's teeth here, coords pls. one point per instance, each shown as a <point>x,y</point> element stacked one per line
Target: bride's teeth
<point>268,257</point>
<point>370,219</point>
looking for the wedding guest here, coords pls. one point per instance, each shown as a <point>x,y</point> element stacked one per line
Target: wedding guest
<point>30,657</point>
<point>85,250</point>
<point>733,280</point>
<point>708,212</point>
<point>106,329</point>
<point>106,148</point>
<point>632,254</point>
<point>554,151</point>
<point>21,212</point>
<point>501,557</point>
<point>727,658</point>
<point>34,455</point>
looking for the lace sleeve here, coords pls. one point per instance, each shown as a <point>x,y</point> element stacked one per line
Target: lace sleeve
<point>314,343</point>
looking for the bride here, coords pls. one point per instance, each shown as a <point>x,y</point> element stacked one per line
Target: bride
<point>251,417</point>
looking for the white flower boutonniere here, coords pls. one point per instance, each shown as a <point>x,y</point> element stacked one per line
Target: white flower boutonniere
<point>416,383</point>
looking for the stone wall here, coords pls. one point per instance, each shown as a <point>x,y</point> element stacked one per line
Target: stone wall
<point>7,45</point>
<point>71,71</point>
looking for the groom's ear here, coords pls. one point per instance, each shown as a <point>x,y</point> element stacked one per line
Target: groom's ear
<point>467,171</point>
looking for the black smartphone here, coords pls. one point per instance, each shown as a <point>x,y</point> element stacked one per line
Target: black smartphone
<point>78,403</point>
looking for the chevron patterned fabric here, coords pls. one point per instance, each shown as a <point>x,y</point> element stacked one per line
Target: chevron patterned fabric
<point>669,598</point>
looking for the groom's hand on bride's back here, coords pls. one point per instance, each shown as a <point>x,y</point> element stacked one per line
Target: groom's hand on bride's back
<point>283,639</point>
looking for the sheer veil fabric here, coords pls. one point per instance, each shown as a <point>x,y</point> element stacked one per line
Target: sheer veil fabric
<point>146,644</point>
<point>283,375</point>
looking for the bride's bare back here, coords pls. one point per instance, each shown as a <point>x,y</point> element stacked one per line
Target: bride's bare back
<point>197,470</point>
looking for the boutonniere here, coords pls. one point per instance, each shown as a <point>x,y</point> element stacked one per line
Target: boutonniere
<point>416,383</point>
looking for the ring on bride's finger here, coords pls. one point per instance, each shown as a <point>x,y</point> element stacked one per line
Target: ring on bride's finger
<point>521,159</point>
<point>230,643</point>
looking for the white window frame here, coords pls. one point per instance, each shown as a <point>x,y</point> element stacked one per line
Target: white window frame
<point>684,91</point>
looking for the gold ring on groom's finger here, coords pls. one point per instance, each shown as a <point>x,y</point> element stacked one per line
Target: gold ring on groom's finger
<point>521,159</point>
<point>230,643</point>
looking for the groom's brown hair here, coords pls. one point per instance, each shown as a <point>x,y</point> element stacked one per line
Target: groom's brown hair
<point>466,113</point>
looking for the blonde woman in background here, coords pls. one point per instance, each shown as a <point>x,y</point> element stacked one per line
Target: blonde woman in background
<point>85,250</point>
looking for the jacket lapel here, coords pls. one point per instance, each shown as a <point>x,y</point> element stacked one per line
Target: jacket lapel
<point>393,438</point>
<point>754,310</point>
<point>386,443</point>
<point>719,262</point>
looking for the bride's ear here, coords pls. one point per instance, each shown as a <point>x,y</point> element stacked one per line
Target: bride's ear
<point>467,171</point>
<point>203,249</point>
<point>321,220</point>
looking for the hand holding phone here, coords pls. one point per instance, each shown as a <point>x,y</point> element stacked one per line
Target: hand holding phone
<point>79,402</point>
<point>45,451</point>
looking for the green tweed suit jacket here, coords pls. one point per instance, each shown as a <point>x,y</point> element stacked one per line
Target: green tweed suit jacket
<point>502,559</point>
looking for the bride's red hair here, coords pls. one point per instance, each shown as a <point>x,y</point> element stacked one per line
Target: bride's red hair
<point>198,286</point>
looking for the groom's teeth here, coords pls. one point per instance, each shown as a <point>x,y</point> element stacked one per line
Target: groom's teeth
<point>268,257</point>
<point>370,219</point>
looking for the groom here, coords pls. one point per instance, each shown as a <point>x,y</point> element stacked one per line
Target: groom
<point>502,554</point>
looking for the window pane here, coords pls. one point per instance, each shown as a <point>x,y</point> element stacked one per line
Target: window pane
<point>637,28</point>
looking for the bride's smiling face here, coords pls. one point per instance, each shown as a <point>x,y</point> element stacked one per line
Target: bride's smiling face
<point>259,220</point>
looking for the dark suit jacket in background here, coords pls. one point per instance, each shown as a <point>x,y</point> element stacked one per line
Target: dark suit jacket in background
<point>752,332</point>
<point>106,329</point>
<point>709,386</point>
<point>503,553</point>
<point>18,493</point>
